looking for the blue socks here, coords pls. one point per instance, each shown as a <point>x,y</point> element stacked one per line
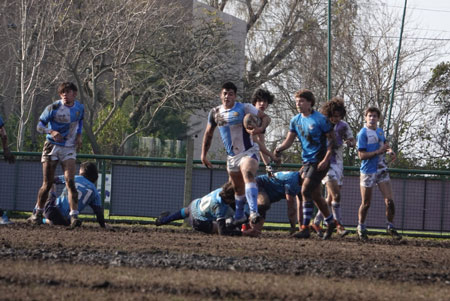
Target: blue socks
<point>308,207</point>
<point>240,203</point>
<point>180,214</point>
<point>251,192</point>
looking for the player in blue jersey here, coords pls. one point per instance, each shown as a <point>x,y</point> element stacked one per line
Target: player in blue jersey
<point>313,130</point>
<point>57,210</point>
<point>273,188</point>
<point>334,110</point>
<point>9,157</point>
<point>207,214</point>
<point>62,122</point>
<point>243,153</point>
<point>372,147</point>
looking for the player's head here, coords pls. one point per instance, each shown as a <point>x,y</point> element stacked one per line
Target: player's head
<point>372,116</point>
<point>373,110</point>
<point>306,94</point>
<point>89,171</point>
<point>334,109</point>
<point>261,99</point>
<point>66,87</point>
<point>227,193</point>
<point>229,86</point>
<point>228,95</point>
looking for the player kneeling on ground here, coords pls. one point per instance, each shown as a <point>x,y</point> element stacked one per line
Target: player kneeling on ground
<point>56,210</point>
<point>207,214</point>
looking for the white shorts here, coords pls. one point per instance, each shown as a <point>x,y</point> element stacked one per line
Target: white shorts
<point>53,152</point>
<point>233,162</point>
<point>335,173</point>
<point>370,180</point>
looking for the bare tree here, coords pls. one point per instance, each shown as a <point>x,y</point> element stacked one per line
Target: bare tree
<point>146,51</point>
<point>28,41</point>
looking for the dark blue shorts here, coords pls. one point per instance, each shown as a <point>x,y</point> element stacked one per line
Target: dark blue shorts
<point>202,226</point>
<point>51,212</point>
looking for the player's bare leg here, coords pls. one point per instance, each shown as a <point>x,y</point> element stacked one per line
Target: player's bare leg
<point>366,198</point>
<point>386,190</point>
<point>69,168</point>
<point>248,167</point>
<point>48,174</point>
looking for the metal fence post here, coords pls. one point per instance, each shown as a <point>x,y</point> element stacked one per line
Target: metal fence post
<point>188,172</point>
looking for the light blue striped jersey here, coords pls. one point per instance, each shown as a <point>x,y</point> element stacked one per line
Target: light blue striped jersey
<point>68,121</point>
<point>234,136</point>
<point>370,140</point>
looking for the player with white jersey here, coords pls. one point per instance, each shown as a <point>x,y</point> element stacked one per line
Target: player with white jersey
<point>57,209</point>
<point>62,122</point>
<point>372,147</point>
<point>243,153</point>
<point>207,214</point>
<point>334,110</point>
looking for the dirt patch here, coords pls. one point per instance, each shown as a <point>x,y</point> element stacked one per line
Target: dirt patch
<point>146,262</point>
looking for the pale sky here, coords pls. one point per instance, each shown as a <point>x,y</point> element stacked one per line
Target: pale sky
<point>428,19</point>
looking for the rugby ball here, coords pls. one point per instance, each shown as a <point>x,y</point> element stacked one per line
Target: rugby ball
<point>251,121</point>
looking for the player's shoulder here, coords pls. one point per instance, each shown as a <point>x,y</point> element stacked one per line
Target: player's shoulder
<point>54,106</point>
<point>362,131</point>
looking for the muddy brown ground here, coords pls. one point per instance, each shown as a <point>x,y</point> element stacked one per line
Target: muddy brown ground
<point>137,262</point>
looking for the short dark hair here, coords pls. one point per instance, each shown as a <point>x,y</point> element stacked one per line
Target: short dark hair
<point>66,87</point>
<point>307,94</point>
<point>261,94</point>
<point>227,193</point>
<point>229,86</point>
<point>373,110</point>
<point>89,171</point>
<point>336,104</point>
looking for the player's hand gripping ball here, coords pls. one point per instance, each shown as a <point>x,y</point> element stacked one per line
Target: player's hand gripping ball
<point>251,121</point>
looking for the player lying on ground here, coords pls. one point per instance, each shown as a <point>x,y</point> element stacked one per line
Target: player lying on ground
<point>57,210</point>
<point>207,214</point>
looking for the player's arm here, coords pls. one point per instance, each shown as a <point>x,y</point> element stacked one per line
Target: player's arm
<point>291,212</point>
<point>365,155</point>
<point>265,121</point>
<point>98,211</point>
<point>264,151</point>
<point>298,197</point>
<point>206,144</point>
<point>6,152</point>
<point>286,144</point>
<point>79,140</point>
<point>43,129</point>
<point>331,146</point>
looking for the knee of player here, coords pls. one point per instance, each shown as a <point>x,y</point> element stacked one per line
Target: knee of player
<point>307,195</point>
